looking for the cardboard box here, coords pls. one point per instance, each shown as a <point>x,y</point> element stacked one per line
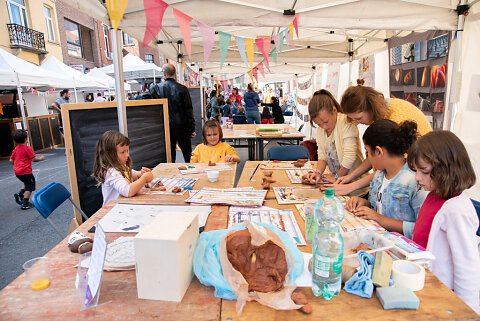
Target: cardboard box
<point>164,256</point>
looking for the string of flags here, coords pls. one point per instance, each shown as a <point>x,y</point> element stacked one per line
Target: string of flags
<point>40,93</point>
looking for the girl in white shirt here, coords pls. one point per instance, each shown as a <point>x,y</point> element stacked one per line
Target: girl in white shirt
<point>447,221</point>
<point>113,167</point>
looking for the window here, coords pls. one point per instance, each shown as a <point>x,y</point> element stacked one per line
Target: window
<point>149,58</point>
<point>17,12</point>
<point>74,40</point>
<point>106,38</point>
<point>127,40</point>
<point>49,21</point>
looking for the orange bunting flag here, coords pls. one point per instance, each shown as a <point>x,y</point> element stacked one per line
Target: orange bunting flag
<point>250,74</point>
<point>249,50</point>
<point>154,11</point>
<point>184,23</point>
<point>115,9</point>
<point>295,24</point>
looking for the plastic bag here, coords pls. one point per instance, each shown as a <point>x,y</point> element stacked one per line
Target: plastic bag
<point>207,266</point>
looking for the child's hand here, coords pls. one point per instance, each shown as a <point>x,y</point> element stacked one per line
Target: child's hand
<point>354,203</point>
<point>366,213</point>
<point>312,177</point>
<point>41,158</point>
<point>144,170</point>
<point>329,178</point>
<point>148,176</point>
<point>229,158</point>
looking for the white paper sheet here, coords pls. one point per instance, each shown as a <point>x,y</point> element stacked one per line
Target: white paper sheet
<point>305,279</point>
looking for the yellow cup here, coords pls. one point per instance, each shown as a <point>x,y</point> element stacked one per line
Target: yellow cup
<point>38,272</point>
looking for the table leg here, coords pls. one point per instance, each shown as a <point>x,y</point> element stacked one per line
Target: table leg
<point>251,149</point>
<point>260,155</point>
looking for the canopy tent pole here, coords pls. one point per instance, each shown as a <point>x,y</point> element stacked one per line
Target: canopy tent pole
<point>454,92</point>
<point>296,99</point>
<point>350,60</point>
<point>201,93</point>
<point>119,87</point>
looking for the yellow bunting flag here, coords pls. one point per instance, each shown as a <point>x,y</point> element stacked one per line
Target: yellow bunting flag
<point>249,50</point>
<point>251,75</point>
<point>290,27</point>
<point>116,8</point>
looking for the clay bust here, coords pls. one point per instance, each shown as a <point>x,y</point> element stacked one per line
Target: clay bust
<point>263,267</point>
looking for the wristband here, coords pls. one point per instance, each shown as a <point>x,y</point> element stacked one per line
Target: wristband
<point>336,176</point>
<point>317,172</point>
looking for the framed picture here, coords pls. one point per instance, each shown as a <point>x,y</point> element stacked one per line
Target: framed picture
<point>408,77</point>
<point>423,76</point>
<point>438,47</point>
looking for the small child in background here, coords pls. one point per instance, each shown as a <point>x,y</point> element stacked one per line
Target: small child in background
<point>395,196</point>
<point>212,149</point>
<point>219,108</point>
<point>266,116</point>
<point>22,157</point>
<point>227,109</point>
<point>447,222</point>
<point>241,110</point>
<point>113,167</point>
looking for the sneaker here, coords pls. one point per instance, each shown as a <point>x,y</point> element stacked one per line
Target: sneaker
<point>18,199</point>
<point>26,206</point>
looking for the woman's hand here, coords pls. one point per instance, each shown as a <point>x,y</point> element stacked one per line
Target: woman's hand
<point>344,179</point>
<point>340,189</point>
<point>354,203</point>
<point>329,178</point>
<point>312,177</point>
<point>366,213</point>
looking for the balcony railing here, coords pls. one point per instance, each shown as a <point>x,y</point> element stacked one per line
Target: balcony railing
<point>23,37</point>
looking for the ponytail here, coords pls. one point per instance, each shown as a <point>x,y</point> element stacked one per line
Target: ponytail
<point>396,139</point>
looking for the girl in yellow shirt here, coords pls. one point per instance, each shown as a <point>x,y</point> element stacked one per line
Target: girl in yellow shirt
<point>212,149</point>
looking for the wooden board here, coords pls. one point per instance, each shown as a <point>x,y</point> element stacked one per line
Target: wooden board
<point>46,133</point>
<point>198,112</point>
<point>55,127</point>
<point>148,130</point>
<point>34,134</point>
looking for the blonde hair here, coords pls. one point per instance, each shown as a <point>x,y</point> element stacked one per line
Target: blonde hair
<point>106,156</point>
<point>322,100</point>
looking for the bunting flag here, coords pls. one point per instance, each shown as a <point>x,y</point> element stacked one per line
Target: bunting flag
<point>241,49</point>
<point>115,9</point>
<point>290,28</point>
<point>154,11</point>
<point>223,40</point>
<point>295,24</point>
<point>260,42</point>
<point>282,36</point>
<point>249,49</point>
<point>250,74</point>
<point>273,53</point>
<point>276,39</point>
<point>231,83</point>
<point>208,35</point>
<point>255,73</point>
<point>260,68</point>
<point>266,46</point>
<point>184,23</point>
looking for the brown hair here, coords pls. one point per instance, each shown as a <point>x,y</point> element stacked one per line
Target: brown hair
<point>395,138</point>
<point>106,156</point>
<point>266,111</point>
<point>452,170</point>
<point>209,124</point>
<point>360,82</point>
<point>250,87</point>
<point>322,100</point>
<point>364,99</point>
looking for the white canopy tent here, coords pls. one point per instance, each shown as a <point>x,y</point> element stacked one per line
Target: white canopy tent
<point>18,73</point>
<point>80,80</point>
<point>99,74</point>
<point>135,68</point>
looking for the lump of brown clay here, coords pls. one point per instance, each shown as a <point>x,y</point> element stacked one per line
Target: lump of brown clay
<point>305,181</point>
<point>264,267</point>
<point>267,182</point>
<point>210,163</point>
<point>268,173</point>
<point>159,188</point>
<point>182,168</point>
<point>300,162</point>
<point>78,240</point>
<point>176,189</point>
<point>300,299</point>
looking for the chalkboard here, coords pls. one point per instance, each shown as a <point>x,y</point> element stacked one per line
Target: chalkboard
<point>198,112</point>
<point>34,133</point>
<point>85,123</point>
<point>46,135</point>
<point>56,136</point>
<point>6,143</point>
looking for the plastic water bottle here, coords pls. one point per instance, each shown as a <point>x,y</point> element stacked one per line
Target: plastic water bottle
<point>328,246</point>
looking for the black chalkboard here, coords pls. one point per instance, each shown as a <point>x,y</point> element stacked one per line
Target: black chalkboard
<point>6,143</point>
<point>146,131</point>
<point>34,133</point>
<point>198,111</point>
<point>56,136</point>
<point>46,135</point>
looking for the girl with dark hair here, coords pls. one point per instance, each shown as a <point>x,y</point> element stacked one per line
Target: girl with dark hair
<point>447,221</point>
<point>395,196</point>
<point>276,111</point>
<point>112,167</point>
<point>266,116</point>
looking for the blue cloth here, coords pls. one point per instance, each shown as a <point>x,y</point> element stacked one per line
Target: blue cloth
<point>253,117</point>
<point>361,282</point>
<point>401,199</point>
<point>251,100</point>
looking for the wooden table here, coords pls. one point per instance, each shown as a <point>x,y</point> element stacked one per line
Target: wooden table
<point>437,301</point>
<point>118,295</point>
<point>248,132</point>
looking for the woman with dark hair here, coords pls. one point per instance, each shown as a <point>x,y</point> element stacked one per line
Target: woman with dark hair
<point>276,111</point>
<point>235,97</point>
<point>89,98</point>
<point>252,101</point>
<point>213,104</point>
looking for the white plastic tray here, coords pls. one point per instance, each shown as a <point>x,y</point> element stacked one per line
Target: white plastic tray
<point>372,239</point>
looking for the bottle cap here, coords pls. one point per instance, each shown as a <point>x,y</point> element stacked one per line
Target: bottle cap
<point>329,192</point>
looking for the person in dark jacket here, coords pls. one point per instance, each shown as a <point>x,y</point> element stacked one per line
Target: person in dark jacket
<point>276,111</point>
<point>180,112</point>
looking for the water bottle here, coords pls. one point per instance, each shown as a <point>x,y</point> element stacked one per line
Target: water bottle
<point>328,246</point>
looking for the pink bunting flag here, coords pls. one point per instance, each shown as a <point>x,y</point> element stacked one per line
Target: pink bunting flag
<point>184,23</point>
<point>295,24</point>
<point>260,68</point>
<point>276,39</point>
<point>208,35</point>
<point>266,46</point>
<point>154,11</point>
<point>255,73</point>
<point>261,42</point>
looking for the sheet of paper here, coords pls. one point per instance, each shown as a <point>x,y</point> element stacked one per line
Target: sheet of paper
<point>295,175</point>
<point>198,168</point>
<point>284,165</point>
<point>231,196</point>
<point>131,218</point>
<point>305,279</point>
<point>97,259</point>
<point>169,183</point>
<point>296,195</point>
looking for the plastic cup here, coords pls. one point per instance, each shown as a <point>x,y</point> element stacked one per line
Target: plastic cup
<point>213,176</point>
<point>38,272</point>
<point>310,224</point>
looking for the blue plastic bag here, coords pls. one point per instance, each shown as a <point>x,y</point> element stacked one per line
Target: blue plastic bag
<point>207,266</point>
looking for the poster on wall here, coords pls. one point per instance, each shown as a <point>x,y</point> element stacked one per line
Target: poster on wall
<point>366,70</point>
<point>395,56</point>
<point>408,52</point>
<point>333,76</point>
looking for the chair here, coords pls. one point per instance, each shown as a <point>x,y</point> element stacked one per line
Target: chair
<point>287,153</point>
<point>49,198</point>
<point>476,204</point>
<point>312,147</point>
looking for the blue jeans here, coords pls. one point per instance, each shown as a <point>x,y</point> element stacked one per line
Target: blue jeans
<point>253,116</point>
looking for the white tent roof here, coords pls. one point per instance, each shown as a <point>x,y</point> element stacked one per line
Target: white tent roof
<point>80,80</point>
<point>15,71</point>
<point>97,73</point>
<point>324,27</point>
<point>135,68</point>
